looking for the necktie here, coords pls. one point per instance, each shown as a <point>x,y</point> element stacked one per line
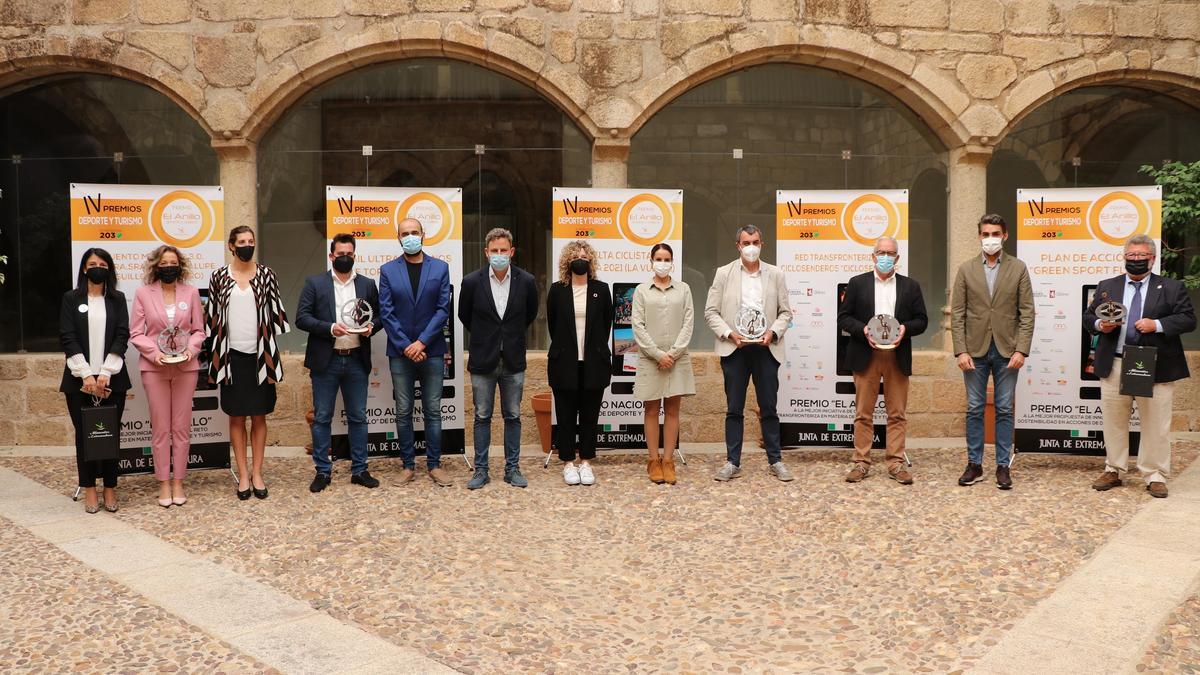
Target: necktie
<point>1135,314</point>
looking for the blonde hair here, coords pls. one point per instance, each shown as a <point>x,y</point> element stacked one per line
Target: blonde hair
<point>149,275</point>
<point>568,253</point>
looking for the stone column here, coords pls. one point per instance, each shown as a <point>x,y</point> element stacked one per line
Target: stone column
<point>238,160</point>
<point>967,182</point>
<point>610,158</point>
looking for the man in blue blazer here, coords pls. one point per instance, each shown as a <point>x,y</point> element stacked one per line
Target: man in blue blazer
<point>414,299</point>
<point>338,356</point>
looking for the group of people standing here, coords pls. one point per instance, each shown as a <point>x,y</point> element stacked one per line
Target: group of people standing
<point>992,322</point>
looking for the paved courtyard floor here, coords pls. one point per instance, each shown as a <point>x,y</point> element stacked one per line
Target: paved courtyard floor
<point>624,576</point>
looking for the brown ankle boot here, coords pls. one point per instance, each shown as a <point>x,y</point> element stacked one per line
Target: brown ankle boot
<point>668,471</point>
<point>655,468</point>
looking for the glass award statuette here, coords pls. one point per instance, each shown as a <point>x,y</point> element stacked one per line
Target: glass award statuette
<point>751,323</point>
<point>356,316</point>
<point>172,342</point>
<point>884,329</point>
<point>1111,310</point>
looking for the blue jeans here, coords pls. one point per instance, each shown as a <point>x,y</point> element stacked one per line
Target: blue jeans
<point>1005,380</point>
<point>739,368</point>
<point>483,392</point>
<point>347,374</point>
<point>405,376</point>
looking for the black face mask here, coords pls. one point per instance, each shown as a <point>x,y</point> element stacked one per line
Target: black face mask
<point>244,253</point>
<point>343,264</point>
<point>97,275</point>
<point>1137,267</point>
<point>580,266</point>
<point>169,274</point>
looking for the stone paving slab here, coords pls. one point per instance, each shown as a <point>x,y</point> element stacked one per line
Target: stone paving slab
<point>753,575</point>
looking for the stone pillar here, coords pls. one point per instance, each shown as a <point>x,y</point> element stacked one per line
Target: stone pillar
<point>967,183</point>
<point>610,163</point>
<point>238,160</point>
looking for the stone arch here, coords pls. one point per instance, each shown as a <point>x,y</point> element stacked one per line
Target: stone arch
<point>30,70</point>
<point>324,60</point>
<point>1035,91</point>
<point>934,98</point>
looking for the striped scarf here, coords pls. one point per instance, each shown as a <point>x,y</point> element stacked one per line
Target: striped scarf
<point>272,321</point>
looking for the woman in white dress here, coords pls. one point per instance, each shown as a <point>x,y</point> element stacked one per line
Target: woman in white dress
<point>663,318</point>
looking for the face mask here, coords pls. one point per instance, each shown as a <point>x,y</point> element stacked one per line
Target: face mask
<point>169,274</point>
<point>244,253</point>
<point>97,275</point>
<point>991,245</point>
<point>1137,268</point>
<point>885,264</point>
<point>411,244</point>
<point>750,253</point>
<point>580,266</point>
<point>343,264</point>
<point>662,268</point>
<point>498,261</point>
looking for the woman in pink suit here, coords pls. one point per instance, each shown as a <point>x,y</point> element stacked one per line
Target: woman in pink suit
<point>162,302</point>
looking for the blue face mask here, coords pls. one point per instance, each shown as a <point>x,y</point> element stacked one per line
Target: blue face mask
<point>411,244</point>
<point>498,261</point>
<point>885,264</point>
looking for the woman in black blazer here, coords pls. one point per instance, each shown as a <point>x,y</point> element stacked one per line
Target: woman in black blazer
<point>578,367</point>
<point>93,328</point>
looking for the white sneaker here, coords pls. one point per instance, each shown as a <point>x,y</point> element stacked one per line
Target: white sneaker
<point>586,477</point>
<point>571,474</point>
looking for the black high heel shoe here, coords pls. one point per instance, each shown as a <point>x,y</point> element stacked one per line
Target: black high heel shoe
<point>261,494</point>
<point>243,494</point>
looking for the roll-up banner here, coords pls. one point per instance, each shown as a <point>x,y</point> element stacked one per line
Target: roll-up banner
<point>372,215</point>
<point>622,225</point>
<point>824,237</point>
<point>129,221</point>
<point>1071,238</point>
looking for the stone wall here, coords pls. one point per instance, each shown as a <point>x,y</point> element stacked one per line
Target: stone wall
<point>35,414</point>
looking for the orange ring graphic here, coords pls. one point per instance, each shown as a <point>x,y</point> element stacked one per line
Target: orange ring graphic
<point>448,223</point>
<point>206,219</point>
<point>1143,213</point>
<point>893,217</point>
<point>661,235</point>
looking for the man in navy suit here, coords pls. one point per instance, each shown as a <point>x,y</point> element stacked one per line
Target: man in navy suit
<point>1159,312</point>
<point>338,356</point>
<point>414,299</point>
<point>498,304</point>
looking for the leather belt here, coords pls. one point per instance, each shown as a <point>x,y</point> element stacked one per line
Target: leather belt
<point>344,352</point>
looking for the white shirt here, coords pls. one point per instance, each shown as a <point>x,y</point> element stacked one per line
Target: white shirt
<point>343,293</point>
<point>500,288</point>
<point>752,289</point>
<point>170,313</point>
<point>1127,300</point>
<point>885,295</point>
<point>243,320</point>
<point>580,296</point>
<point>98,363</point>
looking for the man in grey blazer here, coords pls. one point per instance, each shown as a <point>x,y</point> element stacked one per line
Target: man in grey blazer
<point>991,322</point>
<point>749,283</point>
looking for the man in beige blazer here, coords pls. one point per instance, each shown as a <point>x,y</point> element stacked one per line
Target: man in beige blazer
<point>750,283</point>
<point>991,322</point>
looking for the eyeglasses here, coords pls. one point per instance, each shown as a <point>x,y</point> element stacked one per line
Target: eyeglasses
<point>1138,256</point>
<point>891,253</point>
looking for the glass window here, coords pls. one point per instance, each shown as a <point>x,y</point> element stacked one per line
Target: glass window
<point>67,129</point>
<point>423,119</point>
<point>792,124</point>
<point>1094,137</point>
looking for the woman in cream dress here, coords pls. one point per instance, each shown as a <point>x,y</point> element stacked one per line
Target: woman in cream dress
<point>662,327</point>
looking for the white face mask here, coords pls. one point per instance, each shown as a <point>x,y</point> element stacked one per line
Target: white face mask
<point>992,245</point>
<point>663,268</point>
<point>750,253</point>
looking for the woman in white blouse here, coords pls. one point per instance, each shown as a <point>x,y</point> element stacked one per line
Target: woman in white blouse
<point>662,320</point>
<point>94,332</point>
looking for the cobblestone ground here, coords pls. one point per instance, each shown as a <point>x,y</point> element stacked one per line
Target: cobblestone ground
<point>58,615</point>
<point>1177,647</point>
<point>747,576</point>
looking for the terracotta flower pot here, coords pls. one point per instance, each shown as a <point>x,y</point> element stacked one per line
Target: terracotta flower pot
<point>541,410</point>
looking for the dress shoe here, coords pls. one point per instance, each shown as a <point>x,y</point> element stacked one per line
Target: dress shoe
<point>1003,478</point>
<point>165,503</point>
<point>972,475</point>
<point>406,476</point>
<point>1107,481</point>
<point>319,482</point>
<point>1157,489</point>
<point>261,494</point>
<point>243,494</point>
<point>439,476</point>
<point>365,479</point>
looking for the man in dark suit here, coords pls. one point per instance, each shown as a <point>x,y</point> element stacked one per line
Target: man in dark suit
<point>414,303</point>
<point>881,291</point>
<point>497,304</point>
<point>1159,312</point>
<point>338,356</point>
